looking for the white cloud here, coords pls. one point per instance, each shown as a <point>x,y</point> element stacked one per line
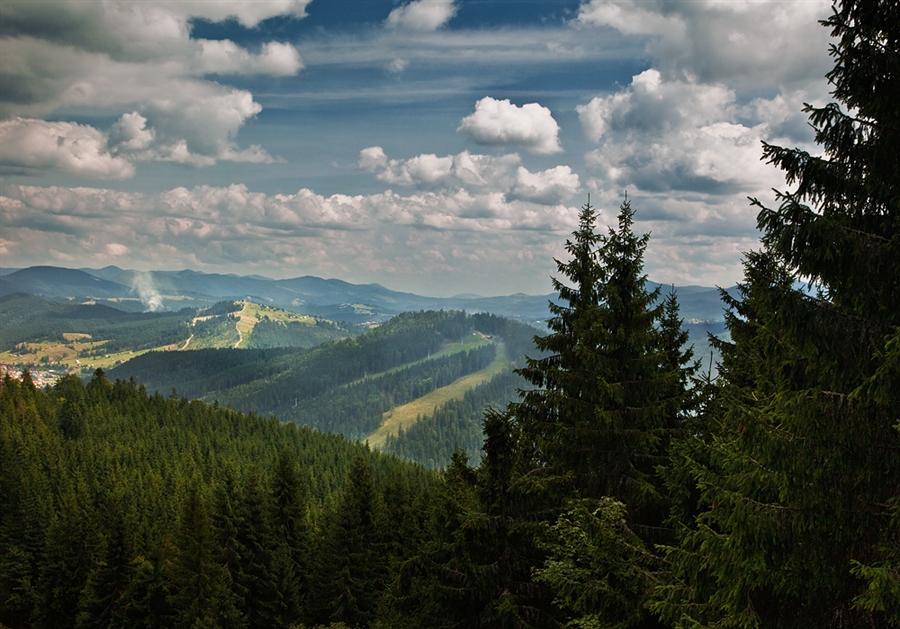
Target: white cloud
<point>677,136</point>
<point>465,173</point>
<point>428,171</point>
<point>35,146</point>
<point>226,57</point>
<point>138,61</point>
<point>130,134</point>
<point>422,15</point>
<point>183,132</point>
<point>746,43</point>
<point>499,122</point>
<point>552,186</point>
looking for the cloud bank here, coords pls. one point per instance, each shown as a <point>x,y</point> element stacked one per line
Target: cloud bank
<point>417,236</point>
<point>135,60</point>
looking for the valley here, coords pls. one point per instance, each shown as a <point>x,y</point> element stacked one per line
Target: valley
<point>370,377</point>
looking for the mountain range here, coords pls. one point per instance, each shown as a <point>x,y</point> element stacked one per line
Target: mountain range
<point>330,298</point>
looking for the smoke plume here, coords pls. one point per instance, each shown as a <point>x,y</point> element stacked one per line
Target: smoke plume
<point>143,286</point>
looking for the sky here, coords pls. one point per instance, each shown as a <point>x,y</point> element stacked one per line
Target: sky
<point>433,146</point>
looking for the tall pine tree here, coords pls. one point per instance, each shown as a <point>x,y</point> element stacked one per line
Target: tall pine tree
<point>610,388</point>
<point>799,465</point>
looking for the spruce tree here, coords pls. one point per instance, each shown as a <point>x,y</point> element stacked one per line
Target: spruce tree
<point>290,538</point>
<point>475,569</point>
<point>610,388</point>
<point>202,596</point>
<point>101,601</point>
<point>352,563</point>
<point>798,467</point>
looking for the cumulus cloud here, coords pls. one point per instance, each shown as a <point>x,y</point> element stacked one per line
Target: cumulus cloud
<point>130,134</point>
<point>223,227</point>
<point>551,186</point>
<point>429,171</point>
<point>136,60</point>
<point>185,134</point>
<point>479,174</point>
<point>745,43</point>
<point>681,136</point>
<point>499,122</point>
<point>422,15</point>
<point>226,57</point>
<point>36,146</point>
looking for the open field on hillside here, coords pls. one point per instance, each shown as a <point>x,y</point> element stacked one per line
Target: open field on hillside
<point>251,314</point>
<point>406,415</point>
<point>68,354</point>
<point>73,353</point>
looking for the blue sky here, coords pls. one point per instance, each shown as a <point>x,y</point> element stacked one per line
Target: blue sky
<point>434,146</point>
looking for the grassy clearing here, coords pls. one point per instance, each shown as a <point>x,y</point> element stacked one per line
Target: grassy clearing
<point>40,355</point>
<point>36,356</point>
<point>259,311</point>
<point>407,414</point>
<point>251,314</point>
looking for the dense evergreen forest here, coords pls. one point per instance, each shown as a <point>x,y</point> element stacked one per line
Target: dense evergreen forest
<point>121,509</point>
<point>620,489</point>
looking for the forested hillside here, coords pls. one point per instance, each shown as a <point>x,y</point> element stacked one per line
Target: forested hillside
<point>348,386</point>
<point>122,509</point>
<point>28,318</point>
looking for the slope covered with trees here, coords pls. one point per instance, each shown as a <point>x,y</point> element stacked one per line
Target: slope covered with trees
<point>120,509</point>
<point>28,318</point>
<point>346,386</point>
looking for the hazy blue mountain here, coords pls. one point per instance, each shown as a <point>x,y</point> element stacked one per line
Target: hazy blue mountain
<point>106,273</point>
<point>58,283</point>
<point>330,298</point>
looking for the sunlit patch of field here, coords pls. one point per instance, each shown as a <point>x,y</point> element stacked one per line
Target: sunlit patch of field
<point>258,311</point>
<point>251,314</point>
<point>69,354</point>
<point>406,415</point>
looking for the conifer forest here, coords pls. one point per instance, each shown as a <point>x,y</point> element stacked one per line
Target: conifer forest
<point>627,486</point>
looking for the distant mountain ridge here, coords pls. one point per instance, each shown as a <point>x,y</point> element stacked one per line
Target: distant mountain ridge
<point>331,298</point>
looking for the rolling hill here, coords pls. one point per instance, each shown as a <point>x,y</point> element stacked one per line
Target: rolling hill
<point>36,333</point>
<point>355,385</point>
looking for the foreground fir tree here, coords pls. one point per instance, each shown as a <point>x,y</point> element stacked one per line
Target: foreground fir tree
<point>608,394</point>
<point>612,385</point>
<point>799,469</point>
